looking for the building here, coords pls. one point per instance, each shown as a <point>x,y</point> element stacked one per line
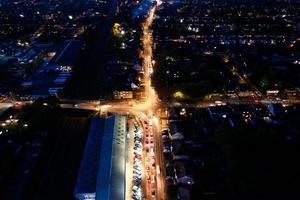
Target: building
<point>292,93</point>
<point>102,170</point>
<point>272,92</point>
<point>124,94</point>
<point>245,91</point>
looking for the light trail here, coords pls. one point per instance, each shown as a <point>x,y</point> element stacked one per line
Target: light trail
<point>155,185</point>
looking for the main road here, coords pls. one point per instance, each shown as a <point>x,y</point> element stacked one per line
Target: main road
<point>155,186</point>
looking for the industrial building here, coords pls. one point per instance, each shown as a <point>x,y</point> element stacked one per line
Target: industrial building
<point>102,170</point>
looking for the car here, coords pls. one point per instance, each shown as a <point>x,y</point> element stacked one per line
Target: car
<point>139,134</point>
<point>165,129</point>
<point>137,138</point>
<point>152,150</point>
<point>147,141</point>
<point>153,194</point>
<point>137,164</point>
<point>165,132</point>
<point>135,196</point>
<point>138,156</point>
<point>136,167</point>
<point>138,151</point>
<point>135,188</point>
<point>165,140</point>
<point>170,180</point>
<point>147,168</point>
<point>167,143</point>
<point>152,179</point>
<point>137,176</point>
<point>152,161</point>
<point>166,150</point>
<point>136,191</point>
<point>151,141</point>
<point>139,145</point>
<point>167,146</point>
<point>165,136</point>
<point>136,172</point>
<point>138,142</point>
<point>137,181</point>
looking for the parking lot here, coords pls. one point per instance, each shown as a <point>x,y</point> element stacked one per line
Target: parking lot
<point>142,169</point>
<point>137,163</point>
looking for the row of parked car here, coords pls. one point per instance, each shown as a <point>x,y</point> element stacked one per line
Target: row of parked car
<point>150,157</point>
<point>137,164</point>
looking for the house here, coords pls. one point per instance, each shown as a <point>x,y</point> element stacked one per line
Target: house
<point>122,94</point>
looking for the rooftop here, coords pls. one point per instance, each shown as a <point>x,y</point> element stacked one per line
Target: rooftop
<point>102,171</point>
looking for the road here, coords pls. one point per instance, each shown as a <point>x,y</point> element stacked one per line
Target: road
<point>130,105</point>
<point>155,184</point>
<point>242,79</point>
<point>4,106</point>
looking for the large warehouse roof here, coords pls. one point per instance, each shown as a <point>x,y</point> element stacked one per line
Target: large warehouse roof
<point>102,171</point>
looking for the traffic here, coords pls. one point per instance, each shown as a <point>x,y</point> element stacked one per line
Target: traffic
<point>137,164</point>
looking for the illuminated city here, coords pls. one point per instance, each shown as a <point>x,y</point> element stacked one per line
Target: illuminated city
<point>149,99</point>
